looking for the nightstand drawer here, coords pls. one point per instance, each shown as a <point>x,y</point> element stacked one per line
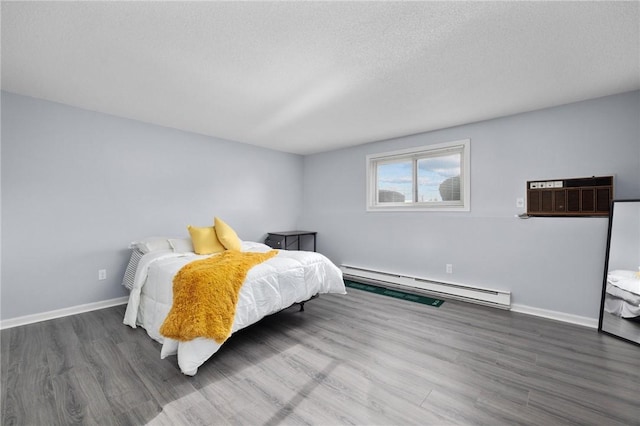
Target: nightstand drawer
<point>292,240</point>
<point>274,242</point>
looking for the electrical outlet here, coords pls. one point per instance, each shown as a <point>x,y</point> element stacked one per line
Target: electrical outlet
<point>519,202</point>
<point>449,268</point>
<point>102,274</point>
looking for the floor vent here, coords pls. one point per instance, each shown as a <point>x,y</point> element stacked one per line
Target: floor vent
<point>484,296</point>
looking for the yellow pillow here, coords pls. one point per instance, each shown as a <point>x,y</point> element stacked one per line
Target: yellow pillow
<point>227,235</point>
<point>204,240</point>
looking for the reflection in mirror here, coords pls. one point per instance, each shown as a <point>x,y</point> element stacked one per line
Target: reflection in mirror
<point>620,308</point>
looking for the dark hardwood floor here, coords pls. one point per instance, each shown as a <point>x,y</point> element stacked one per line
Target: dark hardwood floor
<point>360,359</point>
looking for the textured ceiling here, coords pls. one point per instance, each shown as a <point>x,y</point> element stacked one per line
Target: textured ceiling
<point>307,77</point>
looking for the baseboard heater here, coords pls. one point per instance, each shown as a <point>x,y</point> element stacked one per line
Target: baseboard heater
<point>495,298</point>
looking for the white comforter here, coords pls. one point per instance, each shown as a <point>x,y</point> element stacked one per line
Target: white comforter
<point>288,278</point>
<point>626,280</point>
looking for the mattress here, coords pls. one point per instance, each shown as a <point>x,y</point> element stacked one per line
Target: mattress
<point>623,294</point>
<point>289,277</point>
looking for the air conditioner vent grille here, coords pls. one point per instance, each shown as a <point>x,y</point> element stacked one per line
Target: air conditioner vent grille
<point>570,197</point>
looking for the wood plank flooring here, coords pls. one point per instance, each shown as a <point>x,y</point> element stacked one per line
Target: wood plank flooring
<point>359,359</point>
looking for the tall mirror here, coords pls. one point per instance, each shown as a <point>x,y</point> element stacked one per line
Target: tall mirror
<point>620,307</point>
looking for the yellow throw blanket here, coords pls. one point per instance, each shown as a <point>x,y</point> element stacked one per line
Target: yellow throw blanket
<point>205,295</point>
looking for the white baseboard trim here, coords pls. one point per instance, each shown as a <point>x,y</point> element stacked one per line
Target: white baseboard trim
<point>555,315</point>
<point>59,313</point>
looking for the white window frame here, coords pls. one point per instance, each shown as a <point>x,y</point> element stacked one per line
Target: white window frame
<point>414,154</point>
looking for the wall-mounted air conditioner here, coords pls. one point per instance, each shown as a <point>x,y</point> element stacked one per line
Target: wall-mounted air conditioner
<point>590,196</point>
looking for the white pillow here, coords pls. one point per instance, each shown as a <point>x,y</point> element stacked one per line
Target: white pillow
<point>181,245</point>
<point>150,244</point>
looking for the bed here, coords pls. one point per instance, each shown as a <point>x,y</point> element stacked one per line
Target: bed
<point>622,296</point>
<point>288,278</point>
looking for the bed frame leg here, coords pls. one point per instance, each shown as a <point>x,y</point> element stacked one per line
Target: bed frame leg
<point>305,301</point>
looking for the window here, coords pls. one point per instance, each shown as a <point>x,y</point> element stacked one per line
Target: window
<point>434,177</point>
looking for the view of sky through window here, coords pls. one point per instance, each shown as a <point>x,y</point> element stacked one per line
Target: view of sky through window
<point>432,171</point>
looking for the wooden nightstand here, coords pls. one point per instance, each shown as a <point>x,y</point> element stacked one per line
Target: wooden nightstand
<point>284,240</point>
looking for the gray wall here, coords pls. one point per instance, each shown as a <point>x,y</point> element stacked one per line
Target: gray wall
<point>624,252</point>
<point>547,263</point>
<point>78,186</point>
